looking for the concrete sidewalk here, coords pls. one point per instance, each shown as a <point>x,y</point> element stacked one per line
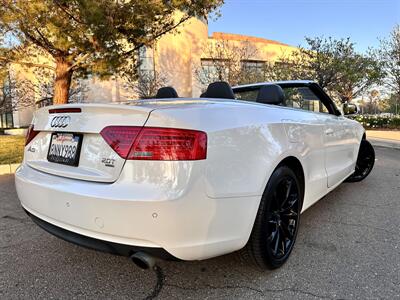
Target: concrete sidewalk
<point>384,138</point>
<point>8,168</point>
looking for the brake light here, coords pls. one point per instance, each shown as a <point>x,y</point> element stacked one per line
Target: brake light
<point>30,135</point>
<point>65,110</point>
<point>120,138</point>
<point>154,143</point>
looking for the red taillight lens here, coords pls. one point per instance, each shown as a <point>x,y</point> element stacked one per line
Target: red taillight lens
<point>169,144</point>
<point>153,143</point>
<point>120,138</point>
<point>30,135</point>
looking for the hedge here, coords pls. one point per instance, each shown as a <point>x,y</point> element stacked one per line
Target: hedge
<point>378,121</point>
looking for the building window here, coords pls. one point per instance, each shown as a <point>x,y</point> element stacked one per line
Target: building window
<point>254,70</point>
<point>214,69</point>
<point>6,120</point>
<point>146,61</point>
<point>284,64</point>
<point>253,66</point>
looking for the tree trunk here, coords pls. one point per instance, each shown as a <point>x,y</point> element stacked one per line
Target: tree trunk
<point>62,82</point>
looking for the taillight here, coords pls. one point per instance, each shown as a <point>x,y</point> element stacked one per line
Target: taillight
<point>154,143</point>
<point>120,138</point>
<point>30,135</point>
<point>169,144</point>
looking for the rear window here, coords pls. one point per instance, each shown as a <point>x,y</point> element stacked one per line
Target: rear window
<point>247,95</point>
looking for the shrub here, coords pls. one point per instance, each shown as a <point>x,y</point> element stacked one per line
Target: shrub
<point>378,121</point>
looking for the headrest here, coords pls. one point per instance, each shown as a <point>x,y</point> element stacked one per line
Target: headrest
<point>167,92</point>
<point>219,89</point>
<point>271,94</point>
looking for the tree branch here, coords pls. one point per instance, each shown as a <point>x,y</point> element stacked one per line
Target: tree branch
<point>28,64</point>
<point>129,52</point>
<point>70,15</point>
<point>78,61</point>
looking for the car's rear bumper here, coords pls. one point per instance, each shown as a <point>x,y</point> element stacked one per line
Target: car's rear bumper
<point>96,244</point>
<point>183,221</point>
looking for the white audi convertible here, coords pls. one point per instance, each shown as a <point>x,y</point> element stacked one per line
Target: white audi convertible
<point>190,179</point>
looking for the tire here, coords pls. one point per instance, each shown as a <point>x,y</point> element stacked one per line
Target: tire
<point>365,162</point>
<point>277,221</point>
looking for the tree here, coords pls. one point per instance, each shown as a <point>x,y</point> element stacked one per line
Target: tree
<point>332,63</point>
<point>17,93</point>
<point>89,36</point>
<point>146,85</point>
<point>228,61</point>
<point>77,92</point>
<point>357,74</point>
<point>389,54</point>
<point>374,99</point>
<point>14,94</point>
<point>393,102</point>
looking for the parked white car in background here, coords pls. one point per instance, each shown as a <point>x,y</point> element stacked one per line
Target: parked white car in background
<point>190,178</point>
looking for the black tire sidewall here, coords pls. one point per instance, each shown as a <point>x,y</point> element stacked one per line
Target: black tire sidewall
<point>265,207</point>
<point>363,145</point>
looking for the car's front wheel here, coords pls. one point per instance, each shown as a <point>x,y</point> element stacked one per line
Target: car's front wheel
<point>277,222</point>
<point>365,162</point>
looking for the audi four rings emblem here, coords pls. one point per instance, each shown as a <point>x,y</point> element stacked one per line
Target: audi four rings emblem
<point>60,121</point>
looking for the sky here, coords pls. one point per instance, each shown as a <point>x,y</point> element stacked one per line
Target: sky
<point>289,21</point>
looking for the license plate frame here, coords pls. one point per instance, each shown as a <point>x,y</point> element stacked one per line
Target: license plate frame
<point>59,159</point>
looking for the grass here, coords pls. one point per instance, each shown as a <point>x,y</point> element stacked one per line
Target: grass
<point>11,149</point>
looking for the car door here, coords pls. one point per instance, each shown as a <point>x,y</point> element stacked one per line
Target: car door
<point>338,150</point>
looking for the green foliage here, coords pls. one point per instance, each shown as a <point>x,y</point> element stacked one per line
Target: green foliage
<point>98,37</point>
<point>333,63</point>
<point>389,55</point>
<point>379,121</point>
<point>393,103</point>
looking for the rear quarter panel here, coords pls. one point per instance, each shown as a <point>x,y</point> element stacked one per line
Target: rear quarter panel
<point>246,142</point>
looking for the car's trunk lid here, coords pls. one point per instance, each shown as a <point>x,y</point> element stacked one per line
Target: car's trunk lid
<point>97,160</point>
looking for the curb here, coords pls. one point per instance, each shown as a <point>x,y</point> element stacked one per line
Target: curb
<point>8,168</point>
<point>394,144</point>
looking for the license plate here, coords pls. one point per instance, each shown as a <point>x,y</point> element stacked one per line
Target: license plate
<point>65,148</point>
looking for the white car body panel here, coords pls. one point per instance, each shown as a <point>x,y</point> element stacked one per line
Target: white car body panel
<point>193,209</point>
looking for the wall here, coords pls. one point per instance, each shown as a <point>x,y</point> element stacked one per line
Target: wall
<point>178,54</point>
<point>23,117</point>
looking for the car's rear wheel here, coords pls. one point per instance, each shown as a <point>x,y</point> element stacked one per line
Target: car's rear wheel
<point>277,222</point>
<point>365,162</point>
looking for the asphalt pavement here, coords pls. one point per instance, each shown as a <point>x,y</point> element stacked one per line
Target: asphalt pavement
<point>348,248</point>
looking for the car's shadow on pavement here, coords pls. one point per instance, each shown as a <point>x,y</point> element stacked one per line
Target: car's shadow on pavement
<point>347,247</point>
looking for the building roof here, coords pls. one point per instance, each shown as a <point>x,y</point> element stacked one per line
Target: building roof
<point>239,37</point>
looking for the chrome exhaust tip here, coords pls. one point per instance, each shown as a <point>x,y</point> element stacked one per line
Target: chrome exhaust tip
<point>143,260</point>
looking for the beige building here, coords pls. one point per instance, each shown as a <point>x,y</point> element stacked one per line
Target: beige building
<point>178,57</point>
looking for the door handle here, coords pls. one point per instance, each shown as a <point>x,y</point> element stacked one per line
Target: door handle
<point>329,131</point>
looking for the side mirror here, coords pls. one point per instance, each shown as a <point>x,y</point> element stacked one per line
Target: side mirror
<point>349,109</point>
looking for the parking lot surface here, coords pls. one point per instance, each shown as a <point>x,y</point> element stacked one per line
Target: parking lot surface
<point>348,247</point>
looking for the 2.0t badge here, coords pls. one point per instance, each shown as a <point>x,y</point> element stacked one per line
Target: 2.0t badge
<point>60,121</point>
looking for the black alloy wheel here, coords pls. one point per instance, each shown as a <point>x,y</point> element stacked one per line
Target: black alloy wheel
<point>283,218</point>
<point>365,162</point>
<point>275,228</point>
